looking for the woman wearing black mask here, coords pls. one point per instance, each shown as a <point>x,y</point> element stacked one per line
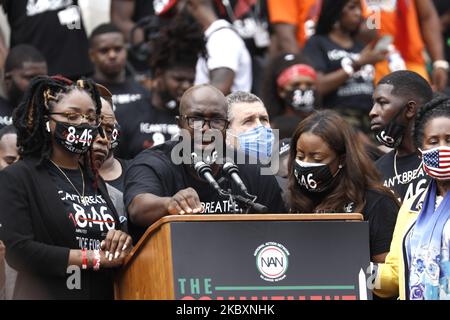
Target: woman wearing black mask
<point>59,225</point>
<point>290,92</point>
<point>330,172</point>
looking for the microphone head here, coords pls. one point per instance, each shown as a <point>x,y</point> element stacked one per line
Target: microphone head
<point>229,168</point>
<point>200,167</point>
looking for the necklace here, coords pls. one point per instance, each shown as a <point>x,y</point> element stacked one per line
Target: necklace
<point>82,177</point>
<point>397,175</point>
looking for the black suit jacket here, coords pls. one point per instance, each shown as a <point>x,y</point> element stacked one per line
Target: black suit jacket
<point>38,239</point>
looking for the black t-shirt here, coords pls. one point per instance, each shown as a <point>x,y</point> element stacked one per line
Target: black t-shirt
<point>152,171</point>
<point>142,8</point>
<point>6,111</point>
<point>126,95</point>
<point>411,177</point>
<point>143,126</point>
<point>119,183</point>
<point>56,29</point>
<point>326,57</point>
<point>381,212</point>
<point>92,220</point>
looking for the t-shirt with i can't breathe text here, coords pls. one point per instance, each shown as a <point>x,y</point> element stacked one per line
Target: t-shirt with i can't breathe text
<point>410,178</point>
<point>91,222</point>
<point>153,171</point>
<point>93,218</point>
<point>142,125</point>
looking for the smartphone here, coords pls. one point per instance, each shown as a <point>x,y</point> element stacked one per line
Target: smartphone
<point>383,43</point>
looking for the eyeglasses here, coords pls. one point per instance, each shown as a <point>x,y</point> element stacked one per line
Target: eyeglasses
<point>198,122</point>
<point>76,118</point>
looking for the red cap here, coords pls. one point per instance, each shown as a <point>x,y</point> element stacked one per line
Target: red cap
<point>163,6</point>
<point>294,70</point>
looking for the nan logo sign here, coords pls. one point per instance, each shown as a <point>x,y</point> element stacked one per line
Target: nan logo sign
<point>272,261</point>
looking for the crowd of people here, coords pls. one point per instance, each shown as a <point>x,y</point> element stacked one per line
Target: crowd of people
<point>323,106</point>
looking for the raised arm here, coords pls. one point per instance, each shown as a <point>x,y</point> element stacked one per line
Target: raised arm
<point>432,36</point>
<point>285,38</point>
<point>121,15</point>
<point>222,79</point>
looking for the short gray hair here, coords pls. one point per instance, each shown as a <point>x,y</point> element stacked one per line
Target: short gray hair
<point>240,97</point>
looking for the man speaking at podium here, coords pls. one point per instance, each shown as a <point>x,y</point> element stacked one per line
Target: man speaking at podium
<point>159,184</point>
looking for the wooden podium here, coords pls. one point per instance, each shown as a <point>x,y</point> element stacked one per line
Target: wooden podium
<point>248,256</point>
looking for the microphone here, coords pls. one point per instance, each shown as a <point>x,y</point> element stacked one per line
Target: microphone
<point>259,208</point>
<point>232,171</point>
<point>204,171</point>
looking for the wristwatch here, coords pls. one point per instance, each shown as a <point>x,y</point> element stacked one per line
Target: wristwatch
<point>443,64</point>
<point>347,66</point>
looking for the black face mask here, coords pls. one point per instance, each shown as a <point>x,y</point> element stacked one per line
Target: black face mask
<point>315,178</point>
<point>301,100</point>
<point>75,138</point>
<point>115,136</point>
<point>392,134</point>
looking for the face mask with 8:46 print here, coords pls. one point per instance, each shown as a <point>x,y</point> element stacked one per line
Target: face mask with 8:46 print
<point>313,177</point>
<point>75,138</point>
<point>301,100</point>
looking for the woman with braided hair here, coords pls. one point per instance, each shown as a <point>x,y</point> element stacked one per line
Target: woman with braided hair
<point>418,265</point>
<point>58,223</point>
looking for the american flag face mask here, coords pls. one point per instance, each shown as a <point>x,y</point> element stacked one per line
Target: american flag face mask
<point>436,162</point>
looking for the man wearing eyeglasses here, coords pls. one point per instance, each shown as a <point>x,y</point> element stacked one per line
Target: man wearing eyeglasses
<point>156,185</point>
